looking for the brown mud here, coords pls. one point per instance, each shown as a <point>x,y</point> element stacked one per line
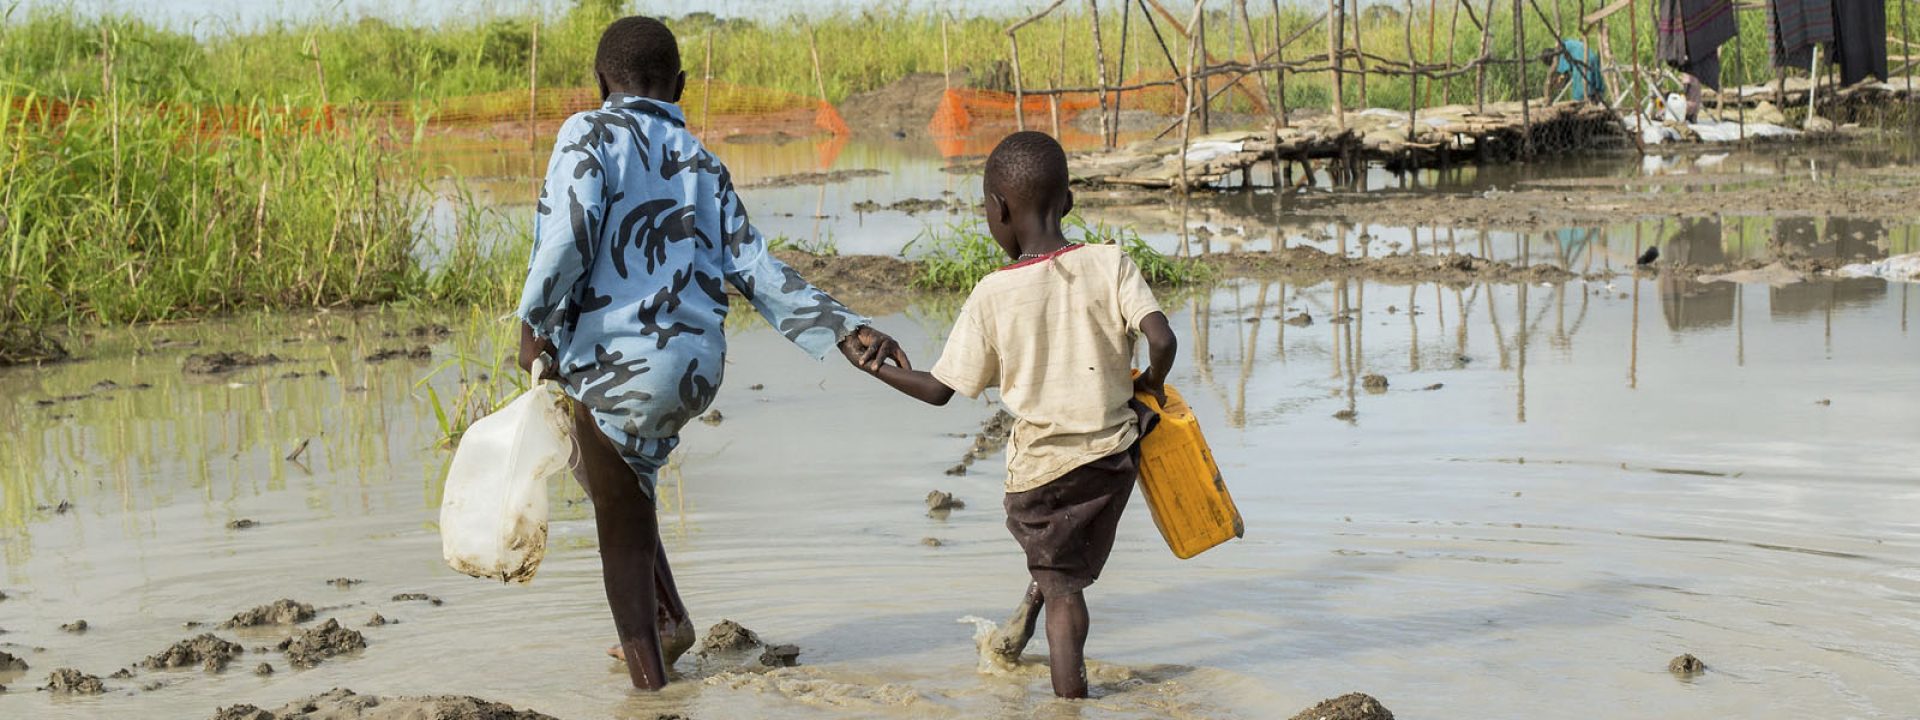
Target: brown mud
<point>902,108</point>
<point>309,648</point>
<point>422,597</point>
<point>1352,706</point>
<point>1886,195</point>
<point>221,363</point>
<point>9,663</point>
<point>940,504</point>
<point>344,704</point>
<point>728,636</point>
<point>1686,665</point>
<point>20,345</point>
<point>813,178</point>
<point>207,650</point>
<point>76,627</point>
<point>278,612</point>
<point>68,681</point>
<point>916,206</point>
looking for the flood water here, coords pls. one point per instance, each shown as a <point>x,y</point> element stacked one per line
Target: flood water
<point>1603,477</point>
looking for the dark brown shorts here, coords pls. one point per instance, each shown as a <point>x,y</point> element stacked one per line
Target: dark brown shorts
<point>1067,526</point>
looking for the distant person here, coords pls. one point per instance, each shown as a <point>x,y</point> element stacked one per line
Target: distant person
<point>1575,68</point>
<point>638,231</point>
<point>1055,332</point>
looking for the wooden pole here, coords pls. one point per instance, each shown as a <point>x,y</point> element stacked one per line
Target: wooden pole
<point>1526,94</point>
<point>706,89</point>
<point>533,94</point>
<point>1486,53</point>
<point>319,69</point>
<point>1120,70</point>
<point>1913,119</point>
<point>1453,47</point>
<point>1433,23</point>
<point>813,51</point>
<point>1336,29</point>
<point>1413,78</point>
<point>1019,93</point>
<point>1013,39</point>
<point>1253,51</point>
<point>1186,118</point>
<point>1059,77</point>
<point>946,55</point>
<point>1199,29</point>
<point>1280,77</point>
<point>1162,41</point>
<point>1107,126</point>
<point>1359,54</point>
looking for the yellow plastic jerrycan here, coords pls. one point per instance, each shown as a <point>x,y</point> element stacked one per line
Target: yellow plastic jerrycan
<point>1182,484</point>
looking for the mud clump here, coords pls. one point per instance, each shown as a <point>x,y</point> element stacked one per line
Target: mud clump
<point>242,524</point>
<point>814,178</point>
<point>728,636</point>
<point>1374,382</point>
<point>76,627</point>
<point>1351,706</point>
<point>939,503</point>
<point>344,704</point>
<point>9,663</point>
<point>422,597</point>
<point>932,542</point>
<point>225,362</point>
<point>713,417</point>
<point>1347,415</point>
<point>263,669</point>
<point>418,352</point>
<point>991,439</point>
<point>68,681</point>
<point>377,620</point>
<point>207,650</point>
<point>1300,320</point>
<point>344,582</point>
<point>1686,665</point>
<point>430,331</point>
<point>279,612</point>
<point>316,644</point>
<point>780,656</point>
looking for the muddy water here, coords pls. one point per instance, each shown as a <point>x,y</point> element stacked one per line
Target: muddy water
<point>1606,477</point>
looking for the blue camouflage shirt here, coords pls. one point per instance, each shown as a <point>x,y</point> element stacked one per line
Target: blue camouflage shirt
<point>637,233</point>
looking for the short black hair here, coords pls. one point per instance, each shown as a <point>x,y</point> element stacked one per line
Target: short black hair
<point>1028,168</point>
<point>638,52</point>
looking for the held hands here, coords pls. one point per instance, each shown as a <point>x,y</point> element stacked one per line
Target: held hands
<point>869,349</point>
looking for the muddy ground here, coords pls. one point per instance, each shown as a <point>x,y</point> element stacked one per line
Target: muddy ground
<point>1886,194</point>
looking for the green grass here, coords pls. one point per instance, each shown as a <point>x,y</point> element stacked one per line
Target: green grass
<point>57,52</point>
<point>121,214</point>
<point>958,255</point>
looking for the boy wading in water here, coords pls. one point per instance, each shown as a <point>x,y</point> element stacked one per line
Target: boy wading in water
<point>1055,332</point>
<point>638,232</point>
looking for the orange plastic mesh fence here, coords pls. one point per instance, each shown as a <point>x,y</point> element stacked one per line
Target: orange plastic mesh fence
<point>728,109</point>
<point>961,109</point>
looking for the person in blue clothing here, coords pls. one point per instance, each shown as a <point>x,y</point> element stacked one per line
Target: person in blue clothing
<point>638,233</point>
<point>1576,68</point>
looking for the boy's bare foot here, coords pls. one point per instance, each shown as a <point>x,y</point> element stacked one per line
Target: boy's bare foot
<point>1012,637</point>
<point>674,642</point>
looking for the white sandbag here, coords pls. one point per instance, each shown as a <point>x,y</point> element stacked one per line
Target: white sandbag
<point>1899,268</point>
<point>493,519</point>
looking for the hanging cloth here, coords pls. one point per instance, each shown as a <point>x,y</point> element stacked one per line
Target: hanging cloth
<point>1860,40</point>
<point>1688,35</point>
<point>1796,26</point>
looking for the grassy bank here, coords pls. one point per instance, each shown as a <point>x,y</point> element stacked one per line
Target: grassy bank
<point>121,214</point>
<point>59,52</point>
<point>957,256</point>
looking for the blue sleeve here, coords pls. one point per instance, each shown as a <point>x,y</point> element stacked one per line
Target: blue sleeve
<point>803,313</point>
<point>567,224</point>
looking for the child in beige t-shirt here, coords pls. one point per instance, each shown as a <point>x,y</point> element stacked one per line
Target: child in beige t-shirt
<point>1055,332</point>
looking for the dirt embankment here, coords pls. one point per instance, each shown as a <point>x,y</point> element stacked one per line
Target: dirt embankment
<point>887,280</point>
<point>1884,195</point>
<point>901,109</point>
<point>344,704</point>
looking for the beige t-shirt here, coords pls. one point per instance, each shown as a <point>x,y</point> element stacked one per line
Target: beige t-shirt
<point>1055,334</point>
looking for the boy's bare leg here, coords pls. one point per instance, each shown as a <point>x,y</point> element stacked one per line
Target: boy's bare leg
<point>677,634</point>
<point>1067,623</point>
<point>1012,637</point>
<point>629,550</point>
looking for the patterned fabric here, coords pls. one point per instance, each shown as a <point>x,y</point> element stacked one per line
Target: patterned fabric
<point>637,233</point>
<point>1688,35</point>
<point>1798,25</point>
